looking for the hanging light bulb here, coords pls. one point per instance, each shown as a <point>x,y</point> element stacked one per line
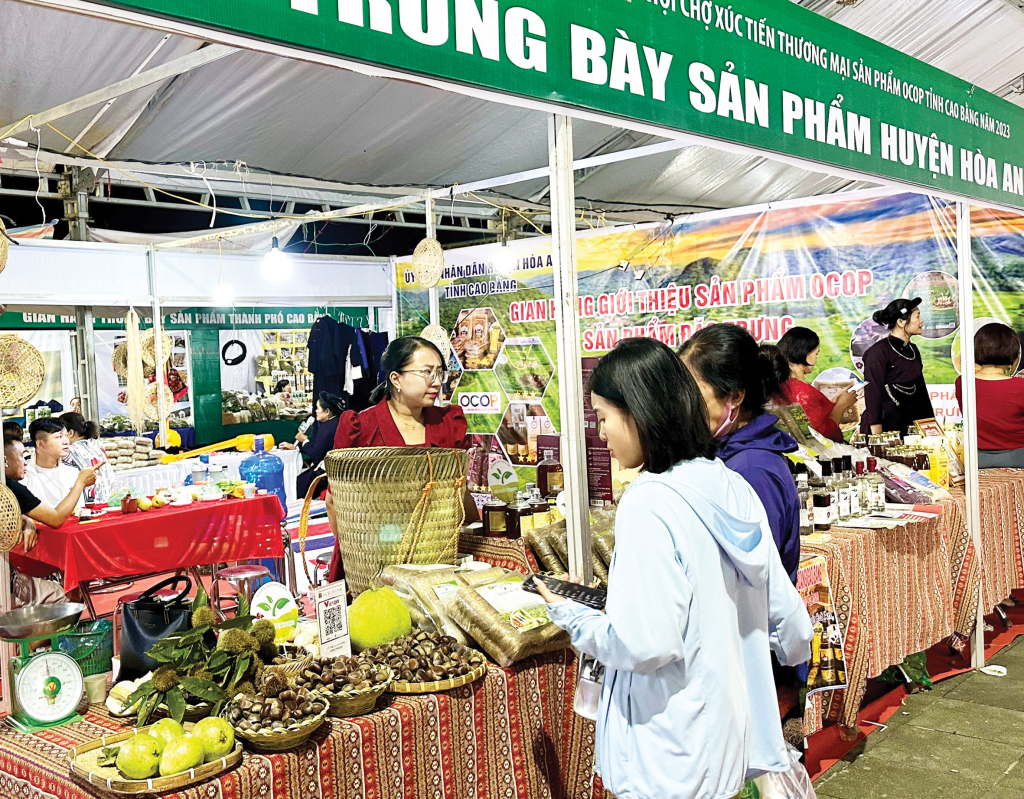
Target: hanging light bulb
<point>223,294</point>
<point>277,266</point>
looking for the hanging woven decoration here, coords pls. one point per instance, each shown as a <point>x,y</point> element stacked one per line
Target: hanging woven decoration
<point>4,245</point>
<point>148,342</point>
<point>437,336</point>
<point>428,262</point>
<point>21,371</point>
<point>10,520</point>
<point>151,408</point>
<point>136,388</point>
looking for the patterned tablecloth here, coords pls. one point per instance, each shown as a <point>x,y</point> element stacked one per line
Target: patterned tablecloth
<point>512,734</point>
<point>902,591</point>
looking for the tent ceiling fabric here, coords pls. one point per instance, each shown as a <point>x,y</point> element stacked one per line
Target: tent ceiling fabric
<point>304,119</point>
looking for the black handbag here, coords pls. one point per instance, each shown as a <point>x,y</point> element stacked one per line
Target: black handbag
<point>146,620</point>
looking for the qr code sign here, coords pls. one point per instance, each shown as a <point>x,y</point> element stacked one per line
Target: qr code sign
<point>332,619</point>
<point>335,619</point>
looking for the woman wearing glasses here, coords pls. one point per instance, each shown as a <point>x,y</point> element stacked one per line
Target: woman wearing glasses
<point>404,414</point>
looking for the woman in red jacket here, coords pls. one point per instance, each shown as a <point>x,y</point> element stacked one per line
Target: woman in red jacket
<point>800,347</point>
<point>404,414</point>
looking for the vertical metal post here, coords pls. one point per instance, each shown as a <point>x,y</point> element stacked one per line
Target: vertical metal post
<point>970,398</point>
<point>85,330</point>
<point>158,349</point>
<point>435,306</point>
<point>567,331</point>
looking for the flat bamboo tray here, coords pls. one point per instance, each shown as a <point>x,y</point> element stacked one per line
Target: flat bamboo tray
<point>344,706</point>
<point>82,760</point>
<point>282,740</point>
<point>402,687</point>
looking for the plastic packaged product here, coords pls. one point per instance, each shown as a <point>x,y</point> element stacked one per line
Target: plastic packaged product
<point>604,544</point>
<point>541,542</point>
<point>561,547</point>
<point>508,622</point>
<point>425,590</point>
<point>919,481</point>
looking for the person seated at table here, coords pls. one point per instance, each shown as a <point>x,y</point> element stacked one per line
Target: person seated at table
<point>47,476</point>
<point>281,387</point>
<point>403,415</point>
<point>1000,397</point>
<point>85,450</point>
<point>329,408</point>
<point>800,347</point>
<point>26,590</point>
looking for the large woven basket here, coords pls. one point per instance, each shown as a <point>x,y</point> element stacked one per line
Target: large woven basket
<point>148,342</point>
<point>21,371</point>
<point>396,505</point>
<point>10,520</point>
<point>150,407</point>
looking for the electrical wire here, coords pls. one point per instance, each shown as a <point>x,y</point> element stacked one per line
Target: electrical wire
<point>39,177</point>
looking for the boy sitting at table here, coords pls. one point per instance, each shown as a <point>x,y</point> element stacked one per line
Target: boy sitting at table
<point>27,590</point>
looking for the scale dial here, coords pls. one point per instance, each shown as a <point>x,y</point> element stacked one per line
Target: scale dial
<point>49,687</point>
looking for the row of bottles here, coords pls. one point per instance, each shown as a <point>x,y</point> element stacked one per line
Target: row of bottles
<point>530,510</point>
<point>839,494</point>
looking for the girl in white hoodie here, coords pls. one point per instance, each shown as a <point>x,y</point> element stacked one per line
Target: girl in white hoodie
<point>694,587</point>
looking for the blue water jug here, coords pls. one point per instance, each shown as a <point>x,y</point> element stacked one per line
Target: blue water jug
<point>265,471</point>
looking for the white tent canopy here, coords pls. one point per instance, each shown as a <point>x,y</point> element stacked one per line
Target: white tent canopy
<point>252,112</point>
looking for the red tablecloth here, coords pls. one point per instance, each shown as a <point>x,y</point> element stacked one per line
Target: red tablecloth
<point>118,545</point>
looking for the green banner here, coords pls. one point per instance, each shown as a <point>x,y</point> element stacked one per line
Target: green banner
<point>766,73</point>
<point>195,319</point>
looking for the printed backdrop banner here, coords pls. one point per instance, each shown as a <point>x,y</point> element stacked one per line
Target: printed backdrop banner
<point>826,265</point>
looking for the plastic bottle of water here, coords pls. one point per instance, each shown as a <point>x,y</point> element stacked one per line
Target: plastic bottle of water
<point>265,471</point>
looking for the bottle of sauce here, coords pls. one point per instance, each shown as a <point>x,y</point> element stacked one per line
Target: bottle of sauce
<point>550,480</point>
<point>518,516</point>
<point>494,518</point>
<point>825,501</point>
<point>541,514</point>
<point>803,491</point>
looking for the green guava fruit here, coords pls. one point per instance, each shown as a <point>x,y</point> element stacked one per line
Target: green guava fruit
<point>139,757</point>
<point>165,731</point>
<point>216,737</point>
<point>181,754</point>
<point>377,616</point>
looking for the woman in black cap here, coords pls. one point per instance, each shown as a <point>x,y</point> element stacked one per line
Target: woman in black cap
<point>896,394</point>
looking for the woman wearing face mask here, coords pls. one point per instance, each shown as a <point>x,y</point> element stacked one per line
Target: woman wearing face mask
<point>404,414</point>
<point>696,598</point>
<point>736,378</point>
<point>896,394</point>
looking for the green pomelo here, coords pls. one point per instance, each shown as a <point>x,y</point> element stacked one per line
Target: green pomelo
<point>139,757</point>
<point>216,737</point>
<point>181,754</point>
<point>377,616</point>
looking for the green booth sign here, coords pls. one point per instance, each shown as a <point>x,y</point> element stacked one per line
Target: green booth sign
<point>767,74</point>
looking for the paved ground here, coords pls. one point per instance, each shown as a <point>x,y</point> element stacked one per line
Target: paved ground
<point>962,740</point>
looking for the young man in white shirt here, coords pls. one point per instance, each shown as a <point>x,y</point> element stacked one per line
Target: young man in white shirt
<point>46,477</point>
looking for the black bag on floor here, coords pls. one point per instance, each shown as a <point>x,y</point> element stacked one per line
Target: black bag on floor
<point>146,620</point>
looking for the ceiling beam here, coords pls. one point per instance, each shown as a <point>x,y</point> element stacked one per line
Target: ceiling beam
<point>176,66</point>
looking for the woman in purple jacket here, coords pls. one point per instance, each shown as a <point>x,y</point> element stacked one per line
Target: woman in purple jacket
<point>736,379</point>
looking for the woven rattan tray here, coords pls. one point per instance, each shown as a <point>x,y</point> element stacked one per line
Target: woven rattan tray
<point>362,703</point>
<point>82,760</point>
<point>282,740</point>
<point>402,687</point>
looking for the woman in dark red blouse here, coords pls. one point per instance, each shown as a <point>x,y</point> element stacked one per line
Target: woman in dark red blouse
<point>404,414</point>
<point>1000,397</point>
<point>800,347</point>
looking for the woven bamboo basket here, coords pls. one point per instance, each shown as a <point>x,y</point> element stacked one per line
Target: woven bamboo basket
<point>150,407</point>
<point>148,344</point>
<point>401,687</point>
<point>359,705</point>
<point>396,505</point>
<point>21,371</point>
<point>428,262</point>
<point>437,336</point>
<point>282,740</point>
<point>83,762</point>
<point>10,520</point>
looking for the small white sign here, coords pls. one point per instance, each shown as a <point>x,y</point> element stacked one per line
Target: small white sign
<point>332,619</point>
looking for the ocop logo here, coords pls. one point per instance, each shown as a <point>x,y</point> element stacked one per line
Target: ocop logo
<point>480,402</point>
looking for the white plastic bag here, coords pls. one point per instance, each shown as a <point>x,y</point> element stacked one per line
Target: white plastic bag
<point>792,784</point>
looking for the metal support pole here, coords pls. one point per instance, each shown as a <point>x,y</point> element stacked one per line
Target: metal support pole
<point>435,306</point>
<point>970,398</point>
<point>567,330</point>
<point>158,346</point>
<point>87,363</point>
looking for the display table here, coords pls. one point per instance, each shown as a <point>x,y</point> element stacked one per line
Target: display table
<point>165,475</point>
<point>512,734</point>
<point>162,539</point>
